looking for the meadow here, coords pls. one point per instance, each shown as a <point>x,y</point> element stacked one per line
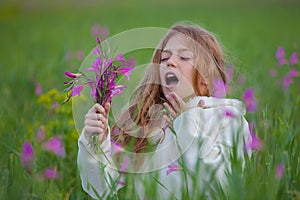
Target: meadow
<point>41,40</point>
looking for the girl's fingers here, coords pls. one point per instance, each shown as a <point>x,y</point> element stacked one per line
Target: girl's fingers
<point>107,108</point>
<point>94,123</point>
<point>173,103</point>
<point>90,130</point>
<point>171,110</point>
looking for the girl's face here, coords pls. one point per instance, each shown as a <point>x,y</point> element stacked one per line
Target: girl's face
<point>177,66</point>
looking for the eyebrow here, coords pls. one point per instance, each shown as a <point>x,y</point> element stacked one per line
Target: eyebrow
<point>179,50</point>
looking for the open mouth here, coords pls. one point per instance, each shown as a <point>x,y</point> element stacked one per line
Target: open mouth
<point>171,79</point>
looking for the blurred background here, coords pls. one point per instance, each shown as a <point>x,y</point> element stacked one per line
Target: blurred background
<point>40,40</point>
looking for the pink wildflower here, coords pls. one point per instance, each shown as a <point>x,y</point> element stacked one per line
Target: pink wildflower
<point>77,90</point>
<point>27,155</point>
<point>279,171</point>
<point>125,71</point>
<point>273,72</point>
<point>100,31</point>
<point>220,88</point>
<point>280,52</point>
<point>254,143</point>
<point>40,136</point>
<point>229,73</point>
<point>120,57</point>
<point>55,145</point>
<point>173,167</point>
<point>293,73</point>
<point>294,58</point>
<point>38,89</point>
<point>50,173</point>
<point>287,81</point>
<point>241,79</point>
<point>250,100</point>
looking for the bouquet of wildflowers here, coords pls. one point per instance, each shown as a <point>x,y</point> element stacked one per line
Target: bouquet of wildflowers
<point>103,85</point>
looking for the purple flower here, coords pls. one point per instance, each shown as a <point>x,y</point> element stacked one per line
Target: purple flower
<point>279,171</point>
<point>280,52</point>
<point>55,145</point>
<point>27,155</point>
<point>96,65</point>
<point>280,56</point>
<point>220,89</point>
<point>115,147</point>
<point>254,143</point>
<point>72,75</point>
<point>281,61</point>
<point>96,51</point>
<point>229,73</point>
<point>241,79</point>
<point>294,58</point>
<point>120,182</point>
<point>40,136</point>
<point>98,40</point>
<point>125,71</point>
<point>77,89</point>
<point>130,62</point>
<point>120,57</point>
<point>50,173</point>
<point>38,89</point>
<point>250,100</point>
<point>79,55</point>
<point>273,72</point>
<point>173,167</point>
<point>293,73</point>
<point>287,81</point>
<point>99,31</point>
<point>125,163</point>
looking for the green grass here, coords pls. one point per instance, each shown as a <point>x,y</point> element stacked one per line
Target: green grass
<point>37,36</point>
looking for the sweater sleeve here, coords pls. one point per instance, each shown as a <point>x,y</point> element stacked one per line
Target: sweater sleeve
<point>209,136</point>
<point>96,169</point>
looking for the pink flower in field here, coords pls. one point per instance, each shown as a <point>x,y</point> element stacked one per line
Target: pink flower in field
<point>229,73</point>
<point>72,75</point>
<point>50,173</point>
<point>120,182</point>
<point>254,143</point>
<point>280,52</point>
<point>125,71</point>
<point>250,100</point>
<point>293,73</point>
<point>173,167</point>
<point>287,81</point>
<point>115,147</point>
<point>100,31</point>
<point>55,145</point>
<point>273,72</point>
<point>279,171</point>
<point>40,136</point>
<point>220,88</point>
<point>130,62</point>
<point>96,51</point>
<point>294,58</point>
<point>241,79</point>
<point>282,61</point>
<point>79,55</point>
<point>120,57</point>
<point>77,89</point>
<point>38,89</point>
<point>27,155</point>
<point>280,56</point>
<point>125,163</point>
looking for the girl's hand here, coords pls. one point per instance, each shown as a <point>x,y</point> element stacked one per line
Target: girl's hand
<point>176,105</point>
<point>96,122</point>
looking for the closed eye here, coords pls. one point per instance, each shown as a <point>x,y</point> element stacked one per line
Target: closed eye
<point>184,58</point>
<point>164,59</point>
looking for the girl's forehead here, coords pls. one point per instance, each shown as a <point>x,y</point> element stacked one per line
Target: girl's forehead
<point>178,42</point>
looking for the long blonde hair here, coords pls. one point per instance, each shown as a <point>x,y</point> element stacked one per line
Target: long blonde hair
<point>209,65</point>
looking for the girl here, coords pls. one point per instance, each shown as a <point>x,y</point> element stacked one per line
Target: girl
<point>174,126</point>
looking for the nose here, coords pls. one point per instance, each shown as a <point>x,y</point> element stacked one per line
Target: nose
<point>172,61</point>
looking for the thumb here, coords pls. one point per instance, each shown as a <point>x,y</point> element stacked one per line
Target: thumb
<point>107,108</point>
